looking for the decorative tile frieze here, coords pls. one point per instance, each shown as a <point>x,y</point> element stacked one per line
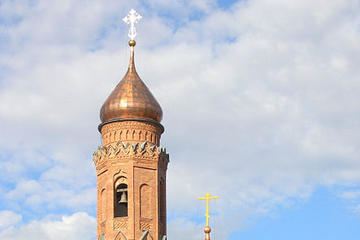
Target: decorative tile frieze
<point>142,150</point>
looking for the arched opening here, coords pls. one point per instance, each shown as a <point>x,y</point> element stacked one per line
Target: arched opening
<point>121,201</point>
<point>133,135</point>
<point>103,205</point>
<point>145,201</point>
<point>162,201</point>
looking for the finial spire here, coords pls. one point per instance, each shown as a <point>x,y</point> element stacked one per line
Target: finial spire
<point>132,18</point>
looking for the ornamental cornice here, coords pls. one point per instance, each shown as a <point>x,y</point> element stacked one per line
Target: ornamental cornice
<point>129,124</point>
<point>142,150</point>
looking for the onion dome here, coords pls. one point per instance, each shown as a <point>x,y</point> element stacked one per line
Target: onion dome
<point>131,99</point>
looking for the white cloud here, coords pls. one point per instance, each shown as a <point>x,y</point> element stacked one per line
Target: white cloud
<point>8,218</point>
<point>182,227</point>
<point>77,226</point>
<point>356,209</point>
<point>351,195</point>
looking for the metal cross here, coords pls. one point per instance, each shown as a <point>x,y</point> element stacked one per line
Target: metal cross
<point>207,198</point>
<point>132,18</point>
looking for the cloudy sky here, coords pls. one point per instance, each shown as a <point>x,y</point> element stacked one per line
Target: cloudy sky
<point>261,102</point>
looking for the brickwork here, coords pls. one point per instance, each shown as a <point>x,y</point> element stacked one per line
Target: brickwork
<point>131,156</point>
<point>131,131</point>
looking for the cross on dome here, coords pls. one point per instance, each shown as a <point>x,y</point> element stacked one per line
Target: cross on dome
<point>132,18</point>
<point>207,198</point>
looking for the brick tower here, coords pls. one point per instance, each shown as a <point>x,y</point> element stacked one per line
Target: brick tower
<point>131,166</point>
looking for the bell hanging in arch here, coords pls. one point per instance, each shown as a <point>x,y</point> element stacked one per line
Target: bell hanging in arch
<point>123,198</point>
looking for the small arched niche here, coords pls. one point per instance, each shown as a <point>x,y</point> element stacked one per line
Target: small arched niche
<point>121,200</point>
<point>102,204</point>
<point>145,201</point>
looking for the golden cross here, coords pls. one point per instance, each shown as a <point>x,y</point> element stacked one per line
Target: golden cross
<point>207,198</point>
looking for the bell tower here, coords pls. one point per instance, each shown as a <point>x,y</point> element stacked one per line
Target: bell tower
<point>131,166</point>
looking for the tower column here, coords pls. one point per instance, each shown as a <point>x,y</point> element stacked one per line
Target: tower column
<point>130,164</point>
<point>131,178</point>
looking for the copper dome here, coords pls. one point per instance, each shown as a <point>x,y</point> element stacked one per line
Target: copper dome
<point>131,99</point>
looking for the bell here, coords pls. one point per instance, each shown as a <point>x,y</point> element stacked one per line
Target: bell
<point>123,198</point>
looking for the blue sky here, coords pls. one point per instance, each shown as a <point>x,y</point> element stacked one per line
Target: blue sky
<point>263,93</point>
<point>323,216</point>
